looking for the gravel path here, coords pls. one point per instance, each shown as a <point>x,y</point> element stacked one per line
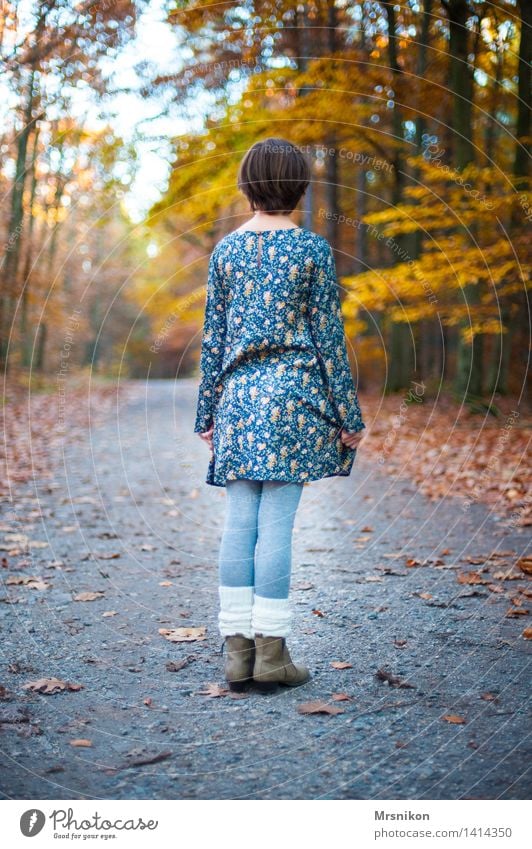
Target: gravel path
<point>128,515</point>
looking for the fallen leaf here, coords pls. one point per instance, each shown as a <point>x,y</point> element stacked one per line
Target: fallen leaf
<point>318,613</point>
<point>341,664</point>
<point>399,644</point>
<point>110,556</point>
<point>341,697</point>
<point>29,581</point>
<point>517,611</point>
<point>147,547</point>
<point>303,585</point>
<point>214,691</point>
<point>507,576</point>
<point>50,686</point>
<point>366,530</point>
<point>184,635</point>
<point>454,719</point>
<point>527,634</point>
<point>142,761</point>
<point>318,707</point>
<point>148,701</point>
<point>489,697</point>
<point>81,743</point>
<point>88,596</point>
<point>110,613</point>
<point>392,680</point>
<point>165,583</point>
<point>470,578</point>
<point>177,665</point>
<point>424,595</point>
<point>525,564</point>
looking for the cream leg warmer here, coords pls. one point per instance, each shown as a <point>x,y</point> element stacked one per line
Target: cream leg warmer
<point>235,611</point>
<point>271,617</point>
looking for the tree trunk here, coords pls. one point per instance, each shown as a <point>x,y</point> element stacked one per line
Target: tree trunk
<point>15,227</point>
<point>304,52</point>
<point>400,338</point>
<point>468,377</point>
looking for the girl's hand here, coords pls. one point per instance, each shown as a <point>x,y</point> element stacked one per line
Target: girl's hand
<point>353,439</point>
<point>207,436</point>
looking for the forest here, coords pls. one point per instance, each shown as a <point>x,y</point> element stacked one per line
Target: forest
<point>415,117</point>
<point>122,128</point>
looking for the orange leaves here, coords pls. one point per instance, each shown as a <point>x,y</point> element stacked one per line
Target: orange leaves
<point>341,664</point>
<point>454,719</point>
<point>448,452</point>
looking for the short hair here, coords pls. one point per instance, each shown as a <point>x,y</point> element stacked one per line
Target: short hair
<point>274,175</point>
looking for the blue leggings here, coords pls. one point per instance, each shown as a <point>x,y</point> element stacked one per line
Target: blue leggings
<point>256,547</point>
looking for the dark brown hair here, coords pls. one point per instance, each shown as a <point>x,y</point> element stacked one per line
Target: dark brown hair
<point>274,175</point>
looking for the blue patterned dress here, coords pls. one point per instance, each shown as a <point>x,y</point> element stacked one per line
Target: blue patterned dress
<point>275,377</point>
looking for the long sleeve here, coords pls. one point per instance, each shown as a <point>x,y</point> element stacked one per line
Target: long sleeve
<point>212,347</point>
<point>325,315</point>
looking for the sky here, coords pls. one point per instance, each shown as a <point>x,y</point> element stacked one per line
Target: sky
<point>139,119</point>
<point>134,118</point>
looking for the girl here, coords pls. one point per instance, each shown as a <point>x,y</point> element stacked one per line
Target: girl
<point>276,405</point>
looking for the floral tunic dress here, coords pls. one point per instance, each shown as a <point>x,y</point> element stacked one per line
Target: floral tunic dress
<point>275,377</point>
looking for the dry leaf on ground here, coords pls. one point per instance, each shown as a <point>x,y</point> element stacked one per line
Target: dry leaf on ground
<point>214,691</point>
<point>29,581</point>
<point>525,564</point>
<point>341,664</point>
<point>392,680</point>
<point>89,596</point>
<point>50,686</point>
<point>318,707</point>
<point>184,635</point>
<point>470,578</point>
<point>177,665</point>
<point>81,743</point>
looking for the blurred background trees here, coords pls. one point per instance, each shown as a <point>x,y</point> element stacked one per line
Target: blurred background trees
<point>416,119</point>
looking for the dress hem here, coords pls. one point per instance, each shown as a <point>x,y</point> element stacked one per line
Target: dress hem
<point>340,474</point>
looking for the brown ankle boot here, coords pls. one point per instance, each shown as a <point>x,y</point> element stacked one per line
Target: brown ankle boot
<point>239,661</point>
<point>274,666</point>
